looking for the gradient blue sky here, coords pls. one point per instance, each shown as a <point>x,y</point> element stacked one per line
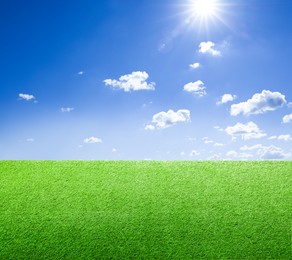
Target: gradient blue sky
<point>62,95</point>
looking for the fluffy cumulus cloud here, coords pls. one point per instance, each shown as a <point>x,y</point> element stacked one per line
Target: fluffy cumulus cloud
<point>92,140</point>
<point>195,65</point>
<point>287,119</point>
<point>26,97</point>
<point>163,119</point>
<point>226,98</point>
<point>137,80</point>
<point>246,131</point>
<point>197,88</point>
<point>66,109</point>
<point>208,47</point>
<point>259,103</point>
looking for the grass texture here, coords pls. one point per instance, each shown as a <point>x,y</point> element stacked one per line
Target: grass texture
<point>145,210</point>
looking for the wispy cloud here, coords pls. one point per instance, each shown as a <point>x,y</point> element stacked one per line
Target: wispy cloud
<point>26,97</point>
<point>208,47</point>
<point>196,88</point>
<point>135,81</point>
<point>81,73</point>
<point>245,131</point>
<point>259,103</point>
<point>66,109</point>
<point>226,98</point>
<point>167,119</point>
<point>92,140</point>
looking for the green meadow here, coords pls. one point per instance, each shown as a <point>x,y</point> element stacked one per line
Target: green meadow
<point>145,210</point>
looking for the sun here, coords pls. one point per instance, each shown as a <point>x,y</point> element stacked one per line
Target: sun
<point>205,8</point>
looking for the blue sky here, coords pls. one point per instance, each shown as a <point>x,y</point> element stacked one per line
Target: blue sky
<point>148,79</point>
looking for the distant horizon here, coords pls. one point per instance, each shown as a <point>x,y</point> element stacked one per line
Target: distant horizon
<point>150,80</point>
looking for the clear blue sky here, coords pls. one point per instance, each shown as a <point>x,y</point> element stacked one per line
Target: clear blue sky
<point>148,79</point>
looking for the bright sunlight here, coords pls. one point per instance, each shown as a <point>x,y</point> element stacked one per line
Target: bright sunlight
<point>205,8</point>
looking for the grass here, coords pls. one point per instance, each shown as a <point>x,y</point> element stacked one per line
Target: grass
<point>145,210</point>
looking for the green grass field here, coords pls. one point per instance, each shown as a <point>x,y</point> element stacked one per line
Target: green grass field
<point>145,210</point>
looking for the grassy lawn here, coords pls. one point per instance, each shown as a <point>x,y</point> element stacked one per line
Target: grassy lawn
<point>145,210</point>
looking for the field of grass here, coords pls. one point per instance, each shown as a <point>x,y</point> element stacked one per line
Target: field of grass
<point>145,210</point>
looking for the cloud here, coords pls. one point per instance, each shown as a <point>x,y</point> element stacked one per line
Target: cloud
<point>194,153</point>
<point>226,98</point>
<point>234,154</point>
<point>218,144</point>
<point>26,97</point>
<point>167,119</point>
<point>66,109</point>
<point>30,139</point>
<point>281,137</point>
<point>207,140</point>
<point>259,103</point>
<point>285,137</point>
<point>267,152</point>
<point>251,148</point>
<point>287,119</point>
<point>272,137</point>
<point>80,72</point>
<point>197,88</point>
<point>248,131</point>
<point>207,47</point>
<point>92,140</point>
<point>114,150</point>
<point>195,65</point>
<point>272,153</point>
<point>134,81</point>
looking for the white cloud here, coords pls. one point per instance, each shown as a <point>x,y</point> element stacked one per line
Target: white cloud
<point>134,81</point>
<point>226,98</point>
<point>248,131</point>
<point>285,137</point>
<point>149,127</point>
<point>207,47</point>
<point>163,119</point>
<point>219,128</point>
<point>114,150</point>
<point>182,153</point>
<point>289,104</point>
<point>194,153</point>
<point>272,137</point>
<point>26,97</point>
<point>259,103</point>
<point>197,88</point>
<point>207,140</point>
<point>195,65</point>
<point>251,148</point>
<point>233,154</point>
<point>281,137</point>
<point>66,109</point>
<point>267,152</point>
<point>218,144</point>
<point>92,140</point>
<point>272,153</point>
<point>80,72</point>
<point>287,119</point>
<point>30,139</point>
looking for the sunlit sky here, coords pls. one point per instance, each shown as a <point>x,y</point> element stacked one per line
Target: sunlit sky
<point>148,79</point>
